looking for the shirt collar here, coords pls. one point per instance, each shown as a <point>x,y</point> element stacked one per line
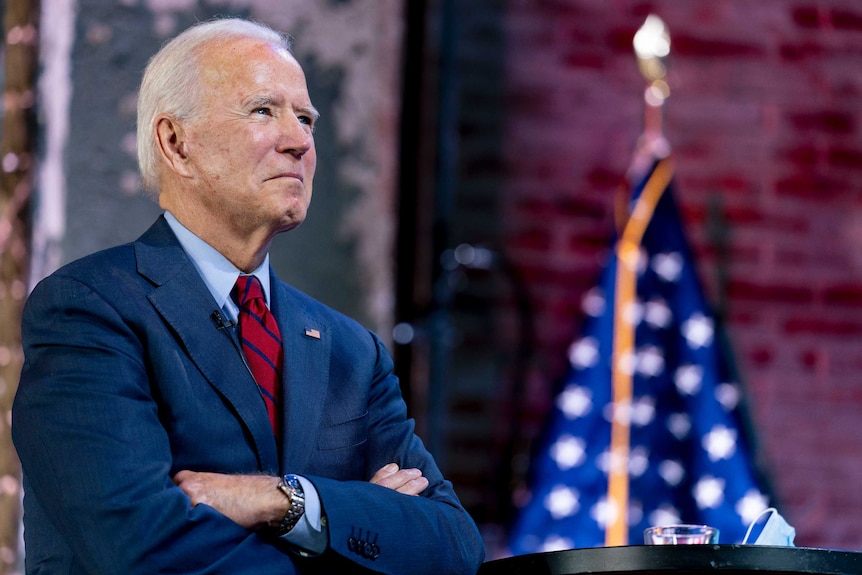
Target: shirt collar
<point>218,273</point>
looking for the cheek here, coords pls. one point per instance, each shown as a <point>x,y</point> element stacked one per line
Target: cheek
<point>214,150</point>
<point>259,137</point>
<point>310,160</point>
<point>309,179</point>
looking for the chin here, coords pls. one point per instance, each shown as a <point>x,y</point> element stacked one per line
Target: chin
<point>291,221</point>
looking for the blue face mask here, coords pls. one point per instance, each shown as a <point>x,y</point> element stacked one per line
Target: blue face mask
<point>776,532</point>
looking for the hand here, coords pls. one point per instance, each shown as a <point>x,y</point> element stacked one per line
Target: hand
<point>253,501</point>
<point>406,481</point>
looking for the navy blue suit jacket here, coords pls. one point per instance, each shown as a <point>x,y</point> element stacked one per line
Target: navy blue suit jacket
<point>128,379</point>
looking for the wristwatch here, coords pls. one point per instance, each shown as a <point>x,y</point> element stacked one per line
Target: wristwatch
<point>292,489</point>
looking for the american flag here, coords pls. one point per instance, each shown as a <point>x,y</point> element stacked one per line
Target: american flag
<point>686,456</point>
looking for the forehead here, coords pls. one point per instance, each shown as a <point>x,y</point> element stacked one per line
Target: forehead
<point>242,66</point>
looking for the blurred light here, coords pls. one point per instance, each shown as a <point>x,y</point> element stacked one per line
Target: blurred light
<point>10,162</point>
<point>21,35</point>
<point>403,333</point>
<point>468,256</point>
<point>448,260</point>
<point>652,39</point>
<point>465,254</point>
<point>657,93</point>
<point>473,257</point>
<point>9,485</point>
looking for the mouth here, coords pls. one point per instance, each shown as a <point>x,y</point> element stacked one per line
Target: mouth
<point>288,175</point>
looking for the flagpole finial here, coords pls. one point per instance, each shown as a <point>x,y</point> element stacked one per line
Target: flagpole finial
<point>652,48</point>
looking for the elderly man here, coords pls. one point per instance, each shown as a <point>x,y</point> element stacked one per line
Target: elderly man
<point>180,409</point>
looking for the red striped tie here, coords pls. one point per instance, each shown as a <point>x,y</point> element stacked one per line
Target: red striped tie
<point>261,344</point>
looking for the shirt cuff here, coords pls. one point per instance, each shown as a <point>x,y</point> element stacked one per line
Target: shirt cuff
<point>309,532</point>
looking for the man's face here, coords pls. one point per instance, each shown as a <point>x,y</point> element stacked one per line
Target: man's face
<point>251,149</point>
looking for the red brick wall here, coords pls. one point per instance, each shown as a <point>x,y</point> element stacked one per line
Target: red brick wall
<point>765,119</point>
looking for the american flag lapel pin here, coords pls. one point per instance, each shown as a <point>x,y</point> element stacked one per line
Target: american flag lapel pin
<point>311,332</point>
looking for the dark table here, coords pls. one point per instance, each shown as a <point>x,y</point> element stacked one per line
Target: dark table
<point>681,560</point>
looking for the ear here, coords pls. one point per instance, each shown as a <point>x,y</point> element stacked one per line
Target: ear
<point>172,144</point>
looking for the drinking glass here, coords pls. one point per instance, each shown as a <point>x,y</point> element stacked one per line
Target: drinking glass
<point>681,535</point>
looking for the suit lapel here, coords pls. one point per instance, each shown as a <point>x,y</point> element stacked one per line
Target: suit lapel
<point>185,303</point>
<point>307,347</point>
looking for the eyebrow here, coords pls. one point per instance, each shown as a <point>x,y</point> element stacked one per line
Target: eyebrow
<point>311,111</point>
<point>258,101</point>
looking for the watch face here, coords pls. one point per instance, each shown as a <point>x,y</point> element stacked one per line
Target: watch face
<point>292,489</point>
<point>293,481</point>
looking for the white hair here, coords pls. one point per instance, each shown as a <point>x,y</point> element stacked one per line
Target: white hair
<point>171,82</point>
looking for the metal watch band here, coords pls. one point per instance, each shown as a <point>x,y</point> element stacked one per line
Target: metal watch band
<point>292,489</point>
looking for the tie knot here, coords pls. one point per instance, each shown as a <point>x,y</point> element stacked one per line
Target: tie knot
<point>247,288</point>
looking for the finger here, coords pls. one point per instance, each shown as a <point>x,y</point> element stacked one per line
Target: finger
<point>384,472</point>
<point>400,479</point>
<point>181,476</point>
<point>414,487</point>
<point>186,480</point>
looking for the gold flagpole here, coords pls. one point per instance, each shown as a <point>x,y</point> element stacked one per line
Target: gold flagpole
<point>16,165</point>
<point>652,44</point>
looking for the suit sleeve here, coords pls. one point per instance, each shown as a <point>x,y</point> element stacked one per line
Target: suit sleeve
<point>96,458</point>
<point>383,530</point>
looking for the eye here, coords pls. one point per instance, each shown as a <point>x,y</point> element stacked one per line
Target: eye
<point>262,111</point>
<point>307,120</point>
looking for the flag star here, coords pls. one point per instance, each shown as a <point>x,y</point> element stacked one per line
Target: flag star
<point>562,502</point>
<point>668,266</point>
<point>633,313</point>
<point>665,515</point>
<point>632,257</point>
<point>626,363</point>
<point>643,410</point>
<point>606,459</point>
<point>657,313</point>
<point>709,492</point>
<point>688,379</point>
<point>618,412</point>
<point>603,461</point>
<point>604,512</point>
<point>720,443</point>
<point>752,504</point>
<point>638,461</point>
<point>556,543</point>
<point>671,471</point>
<point>568,451</point>
<point>698,330</point>
<point>679,425</point>
<point>728,395</point>
<point>650,361</point>
<point>575,401</point>
<point>593,302</point>
<point>584,353</point>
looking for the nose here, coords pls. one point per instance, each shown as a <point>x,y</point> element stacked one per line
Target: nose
<point>296,138</point>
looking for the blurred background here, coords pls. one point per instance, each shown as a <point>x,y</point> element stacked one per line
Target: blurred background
<point>469,154</point>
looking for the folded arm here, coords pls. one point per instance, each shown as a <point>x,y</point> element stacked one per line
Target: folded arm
<point>255,502</point>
